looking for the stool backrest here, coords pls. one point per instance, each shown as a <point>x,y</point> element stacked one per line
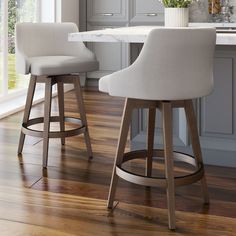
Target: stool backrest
<point>175,63</point>
<point>45,39</point>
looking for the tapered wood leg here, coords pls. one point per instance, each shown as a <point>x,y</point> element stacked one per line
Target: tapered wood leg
<point>28,106</point>
<point>60,92</point>
<point>169,167</point>
<point>126,119</point>
<point>47,114</point>
<point>150,140</point>
<point>80,100</point>
<point>193,130</point>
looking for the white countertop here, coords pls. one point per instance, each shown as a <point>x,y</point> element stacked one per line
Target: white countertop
<point>138,34</point>
<point>213,24</point>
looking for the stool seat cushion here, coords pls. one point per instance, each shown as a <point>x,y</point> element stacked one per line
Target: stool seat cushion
<point>59,65</point>
<point>104,84</point>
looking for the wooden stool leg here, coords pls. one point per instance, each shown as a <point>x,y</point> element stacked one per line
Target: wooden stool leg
<point>192,124</point>
<point>124,129</point>
<point>169,167</point>
<point>60,92</point>
<point>28,106</point>
<point>150,140</point>
<point>47,114</point>
<point>80,100</point>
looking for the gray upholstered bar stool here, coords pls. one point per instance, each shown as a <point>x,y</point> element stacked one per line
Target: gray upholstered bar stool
<point>43,50</point>
<point>174,67</point>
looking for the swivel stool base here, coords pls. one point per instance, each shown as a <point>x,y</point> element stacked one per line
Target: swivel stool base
<point>46,134</point>
<point>169,181</point>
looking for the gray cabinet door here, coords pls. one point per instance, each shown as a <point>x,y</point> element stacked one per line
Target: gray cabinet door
<point>146,11</point>
<point>107,11</point>
<point>217,111</point>
<point>111,56</point>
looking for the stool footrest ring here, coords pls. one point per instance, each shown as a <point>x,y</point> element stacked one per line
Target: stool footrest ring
<point>53,134</point>
<point>159,181</point>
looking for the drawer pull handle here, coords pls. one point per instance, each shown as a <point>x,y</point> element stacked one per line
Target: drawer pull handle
<point>107,14</point>
<point>151,14</point>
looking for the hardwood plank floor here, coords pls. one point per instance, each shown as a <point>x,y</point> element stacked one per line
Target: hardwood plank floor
<point>69,198</point>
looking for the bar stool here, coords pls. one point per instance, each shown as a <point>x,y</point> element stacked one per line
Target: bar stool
<point>174,67</point>
<point>43,50</point>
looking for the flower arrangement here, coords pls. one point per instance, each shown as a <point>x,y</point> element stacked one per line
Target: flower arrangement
<point>176,3</point>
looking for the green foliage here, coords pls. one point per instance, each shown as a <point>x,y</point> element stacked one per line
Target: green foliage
<point>12,11</point>
<point>176,3</point>
<point>11,71</point>
<point>19,10</point>
<point>15,80</point>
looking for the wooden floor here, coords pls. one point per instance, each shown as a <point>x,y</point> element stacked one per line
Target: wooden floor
<point>69,198</point>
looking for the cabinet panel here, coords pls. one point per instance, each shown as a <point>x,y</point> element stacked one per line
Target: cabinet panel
<point>217,109</point>
<point>147,11</point>
<point>107,10</point>
<point>111,56</point>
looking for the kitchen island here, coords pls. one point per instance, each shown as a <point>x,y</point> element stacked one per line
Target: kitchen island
<point>216,113</point>
<point>138,34</point>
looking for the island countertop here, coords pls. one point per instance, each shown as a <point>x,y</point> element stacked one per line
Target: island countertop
<point>138,34</point>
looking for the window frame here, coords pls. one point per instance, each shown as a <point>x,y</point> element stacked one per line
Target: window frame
<point>41,6</point>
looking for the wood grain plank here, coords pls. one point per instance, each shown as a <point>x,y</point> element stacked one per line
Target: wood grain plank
<point>70,197</point>
<point>74,215</point>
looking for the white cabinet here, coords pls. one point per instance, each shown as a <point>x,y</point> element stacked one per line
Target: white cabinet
<point>107,14</point>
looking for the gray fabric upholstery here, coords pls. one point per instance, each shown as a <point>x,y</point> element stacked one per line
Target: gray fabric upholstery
<point>174,64</point>
<point>59,65</point>
<point>44,49</point>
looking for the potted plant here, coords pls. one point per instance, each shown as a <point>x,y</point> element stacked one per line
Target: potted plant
<point>176,12</point>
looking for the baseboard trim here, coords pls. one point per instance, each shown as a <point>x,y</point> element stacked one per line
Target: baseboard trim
<point>17,103</point>
<point>92,82</point>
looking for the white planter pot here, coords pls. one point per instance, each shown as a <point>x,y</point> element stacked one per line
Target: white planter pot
<point>176,17</point>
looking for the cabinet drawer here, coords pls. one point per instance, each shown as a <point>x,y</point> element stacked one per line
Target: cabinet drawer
<point>147,11</point>
<point>107,10</point>
<point>219,120</point>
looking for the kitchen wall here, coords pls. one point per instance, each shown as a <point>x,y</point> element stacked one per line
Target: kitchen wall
<point>199,11</point>
<point>233,2</point>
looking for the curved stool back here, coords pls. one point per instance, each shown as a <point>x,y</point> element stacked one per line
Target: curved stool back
<point>46,39</point>
<point>174,66</point>
<point>43,50</point>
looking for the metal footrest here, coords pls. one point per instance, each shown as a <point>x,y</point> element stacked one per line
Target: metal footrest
<point>159,181</point>
<point>53,134</point>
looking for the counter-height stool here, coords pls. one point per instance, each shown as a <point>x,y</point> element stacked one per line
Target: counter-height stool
<point>43,50</point>
<point>174,67</point>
